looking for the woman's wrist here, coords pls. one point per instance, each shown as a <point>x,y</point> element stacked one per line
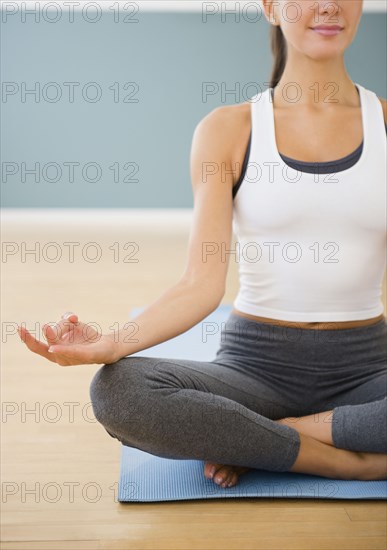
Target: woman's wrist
<point>118,348</point>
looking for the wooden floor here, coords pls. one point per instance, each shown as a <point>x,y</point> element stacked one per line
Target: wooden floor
<point>59,467</point>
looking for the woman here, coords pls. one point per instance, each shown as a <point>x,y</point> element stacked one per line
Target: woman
<point>299,382</point>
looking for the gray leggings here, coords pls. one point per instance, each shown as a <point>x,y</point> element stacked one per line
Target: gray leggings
<point>223,410</point>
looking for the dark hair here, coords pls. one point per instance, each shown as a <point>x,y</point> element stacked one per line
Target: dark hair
<point>279,50</point>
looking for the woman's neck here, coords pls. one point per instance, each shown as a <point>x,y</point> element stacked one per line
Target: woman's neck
<point>314,94</point>
<point>315,83</point>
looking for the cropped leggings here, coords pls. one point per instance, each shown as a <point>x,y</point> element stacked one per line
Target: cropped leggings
<point>223,410</point>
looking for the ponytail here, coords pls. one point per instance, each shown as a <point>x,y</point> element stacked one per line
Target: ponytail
<point>279,50</point>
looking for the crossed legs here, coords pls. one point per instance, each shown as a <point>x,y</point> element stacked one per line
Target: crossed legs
<point>184,409</point>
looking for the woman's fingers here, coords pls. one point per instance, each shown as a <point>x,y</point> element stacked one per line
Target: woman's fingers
<point>60,330</point>
<point>57,333</point>
<point>62,355</point>
<point>79,353</point>
<point>33,344</point>
<point>70,315</point>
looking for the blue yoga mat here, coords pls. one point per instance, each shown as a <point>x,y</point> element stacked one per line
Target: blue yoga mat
<point>148,478</point>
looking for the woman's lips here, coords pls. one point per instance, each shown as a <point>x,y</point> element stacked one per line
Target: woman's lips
<point>327,31</point>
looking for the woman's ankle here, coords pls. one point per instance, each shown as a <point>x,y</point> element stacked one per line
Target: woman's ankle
<point>318,425</point>
<point>318,458</point>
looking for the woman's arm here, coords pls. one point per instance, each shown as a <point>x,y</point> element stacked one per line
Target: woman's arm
<point>178,309</point>
<point>202,285</point>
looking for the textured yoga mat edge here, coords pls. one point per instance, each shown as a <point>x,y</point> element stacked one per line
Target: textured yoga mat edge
<point>148,478</point>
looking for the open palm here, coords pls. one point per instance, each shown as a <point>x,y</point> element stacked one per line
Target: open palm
<point>71,342</point>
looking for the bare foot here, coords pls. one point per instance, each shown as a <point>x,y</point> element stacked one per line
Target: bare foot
<point>224,475</point>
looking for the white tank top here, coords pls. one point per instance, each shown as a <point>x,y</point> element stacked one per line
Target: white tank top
<point>312,247</point>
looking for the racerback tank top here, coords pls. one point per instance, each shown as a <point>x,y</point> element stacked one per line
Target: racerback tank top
<point>311,246</point>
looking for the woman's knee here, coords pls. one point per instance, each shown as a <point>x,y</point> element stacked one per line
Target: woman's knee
<point>114,390</point>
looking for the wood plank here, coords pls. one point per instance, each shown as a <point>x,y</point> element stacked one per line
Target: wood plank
<point>259,543</point>
<point>84,529</point>
<point>364,511</point>
<point>120,513</point>
<point>50,545</point>
<point>177,543</point>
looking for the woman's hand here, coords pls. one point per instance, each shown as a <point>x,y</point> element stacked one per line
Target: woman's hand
<point>71,342</point>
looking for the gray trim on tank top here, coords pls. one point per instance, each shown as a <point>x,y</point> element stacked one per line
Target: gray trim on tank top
<point>327,167</point>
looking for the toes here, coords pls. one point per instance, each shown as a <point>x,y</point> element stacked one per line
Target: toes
<point>234,480</point>
<point>229,480</point>
<point>207,469</point>
<point>235,473</point>
<point>223,474</point>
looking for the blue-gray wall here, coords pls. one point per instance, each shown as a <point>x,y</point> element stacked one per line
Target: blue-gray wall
<point>169,56</point>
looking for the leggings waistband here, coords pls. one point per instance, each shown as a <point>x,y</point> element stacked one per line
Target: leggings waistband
<point>234,317</point>
<point>241,332</point>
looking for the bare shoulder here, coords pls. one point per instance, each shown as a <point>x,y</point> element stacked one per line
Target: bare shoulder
<point>384,107</point>
<point>228,129</point>
<point>234,115</point>
<point>227,121</point>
